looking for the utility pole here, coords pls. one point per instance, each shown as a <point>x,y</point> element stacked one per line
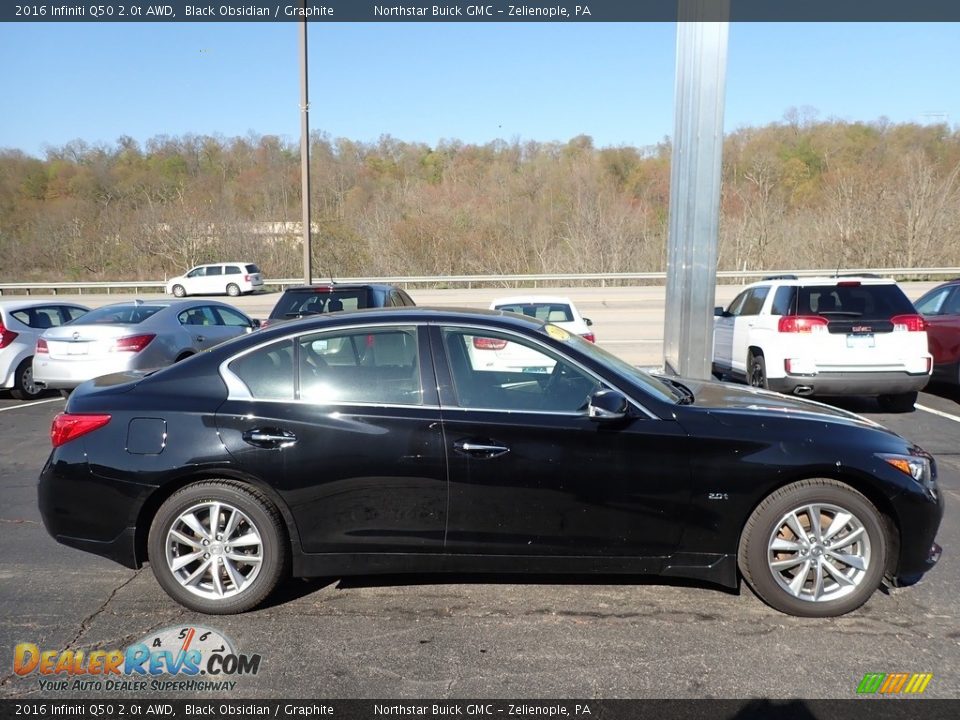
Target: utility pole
<point>305,153</point>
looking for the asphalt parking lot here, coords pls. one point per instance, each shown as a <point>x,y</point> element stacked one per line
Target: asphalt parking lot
<point>489,636</point>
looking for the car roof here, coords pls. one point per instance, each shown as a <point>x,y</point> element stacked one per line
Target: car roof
<point>413,314</point>
<point>340,286</point>
<point>532,300</point>
<point>11,305</point>
<point>827,280</point>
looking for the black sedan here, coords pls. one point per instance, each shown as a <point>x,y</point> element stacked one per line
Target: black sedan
<point>380,441</point>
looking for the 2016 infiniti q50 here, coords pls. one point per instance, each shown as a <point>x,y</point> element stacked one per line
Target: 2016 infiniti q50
<point>374,441</point>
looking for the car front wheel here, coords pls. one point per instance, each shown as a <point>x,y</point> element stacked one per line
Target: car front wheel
<point>218,547</point>
<point>815,548</point>
<point>179,291</point>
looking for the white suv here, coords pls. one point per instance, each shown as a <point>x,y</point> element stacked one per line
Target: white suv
<point>231,278</point>
<point>825,336</point>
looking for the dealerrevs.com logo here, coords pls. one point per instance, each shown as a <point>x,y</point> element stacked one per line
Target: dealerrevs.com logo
<point>894,683</point>
<point>192,658</point>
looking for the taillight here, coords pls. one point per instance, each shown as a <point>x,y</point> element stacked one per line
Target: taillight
<point>42,347</point>
<point>589,336</point>
<point>67,426</point>
<point>246,278</point>
<point>909,323</point>
<point>801,324</point>
<point>6,336</point>
<point>485,343</point>
<point>132,343</point>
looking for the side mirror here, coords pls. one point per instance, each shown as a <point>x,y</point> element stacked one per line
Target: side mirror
<point>588,321</point>
<point>255,323</point>
<point>718,311</point>
<point>607,405</point>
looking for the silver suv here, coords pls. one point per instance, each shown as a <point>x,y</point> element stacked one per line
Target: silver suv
<point>825,336</point>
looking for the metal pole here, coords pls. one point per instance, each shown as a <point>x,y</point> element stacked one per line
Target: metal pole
<point>305,153</point>
<point>695,187</point>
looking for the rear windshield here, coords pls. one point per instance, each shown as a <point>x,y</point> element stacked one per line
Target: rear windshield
<point>119,314</point>
<point>252,268</point>
<point>853,301</point>
<point>549,312</point>
<point>298,303</point>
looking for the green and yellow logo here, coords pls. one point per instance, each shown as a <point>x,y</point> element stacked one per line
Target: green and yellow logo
<point>894,683</point>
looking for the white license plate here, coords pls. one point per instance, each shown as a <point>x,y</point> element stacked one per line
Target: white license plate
<point>78,349</point>
<point>860,341</point>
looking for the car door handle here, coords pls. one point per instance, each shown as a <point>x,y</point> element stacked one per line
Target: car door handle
<point>482,450</point>
<point>269,438</point>
<point>200,338</point>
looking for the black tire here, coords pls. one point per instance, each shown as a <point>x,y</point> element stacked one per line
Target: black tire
<point>765,526</point>
<point>179,291</point>
<point>899,403</point>
<point>65,393</point>
<point>183,356</point>
<point>233,290</point>
<point>23,385</point>
<point>757,371</point>
<point>220,595</point>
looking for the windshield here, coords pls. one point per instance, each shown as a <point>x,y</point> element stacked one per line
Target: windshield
<point>119,314</point>
<point>654,386</point>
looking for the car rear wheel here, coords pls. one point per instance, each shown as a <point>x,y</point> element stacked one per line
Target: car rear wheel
<point>815,548</point>
<point>23,386</point>
<point>899,403</point>
<point>757,371</point>
<point>218,547</point>
<point>233,290</point>
<point>179,291</point>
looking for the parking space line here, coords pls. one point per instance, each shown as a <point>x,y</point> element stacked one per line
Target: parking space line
<point>942,414</point>
<point>41,402</point>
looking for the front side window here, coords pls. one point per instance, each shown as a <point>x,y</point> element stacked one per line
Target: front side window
<point>737,304</point>
<point>370,365</point>
<point>197,272</point>
<point>499,371</point>
<point>198,316</point>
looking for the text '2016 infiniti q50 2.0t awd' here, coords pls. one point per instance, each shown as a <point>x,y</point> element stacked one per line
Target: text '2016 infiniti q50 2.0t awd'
<point>369,442</point>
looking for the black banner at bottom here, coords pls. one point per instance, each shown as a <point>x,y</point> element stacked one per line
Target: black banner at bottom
<point>757,709</point>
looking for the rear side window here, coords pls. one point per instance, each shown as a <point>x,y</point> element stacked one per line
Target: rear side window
<point>268,371</point>
<point>548,312</point>
<point>119,314</point>
<point>296,304</point>
<point>252,268</point>
<point>782,300</point>
<point>754,300</point>
<point>874,302</point>
<point>40,318</point>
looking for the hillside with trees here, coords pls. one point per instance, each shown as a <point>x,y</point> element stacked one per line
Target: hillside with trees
<point>796,194</point>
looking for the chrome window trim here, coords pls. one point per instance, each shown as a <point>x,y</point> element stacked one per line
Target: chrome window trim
<point>549,349</point>
<point>237,389</point>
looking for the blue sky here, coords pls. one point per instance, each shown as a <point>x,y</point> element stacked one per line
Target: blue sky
<point>473,82</point>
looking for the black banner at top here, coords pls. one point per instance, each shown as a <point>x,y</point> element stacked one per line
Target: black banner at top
<point>490,11</point>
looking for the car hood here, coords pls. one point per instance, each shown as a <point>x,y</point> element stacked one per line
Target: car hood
<point>721,397</point>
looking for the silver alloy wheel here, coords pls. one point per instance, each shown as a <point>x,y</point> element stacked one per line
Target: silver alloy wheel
<point>214,550</point>
<point>26,380</point>
<point>819,552</point>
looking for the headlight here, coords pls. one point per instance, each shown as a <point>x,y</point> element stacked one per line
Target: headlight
<point>920,468</point>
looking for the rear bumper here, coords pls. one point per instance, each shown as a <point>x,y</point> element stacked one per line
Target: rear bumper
<point>68,374</point>
<point>850,383</point>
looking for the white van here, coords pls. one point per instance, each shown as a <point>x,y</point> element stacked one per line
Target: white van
<point>231,278</point>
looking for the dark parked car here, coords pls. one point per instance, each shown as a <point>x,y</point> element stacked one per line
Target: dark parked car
<point>368,442</point>
<point>300,301</point>
<point>941,310</point>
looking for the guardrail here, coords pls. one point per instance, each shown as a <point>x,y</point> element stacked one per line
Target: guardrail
<point>500,280</point>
